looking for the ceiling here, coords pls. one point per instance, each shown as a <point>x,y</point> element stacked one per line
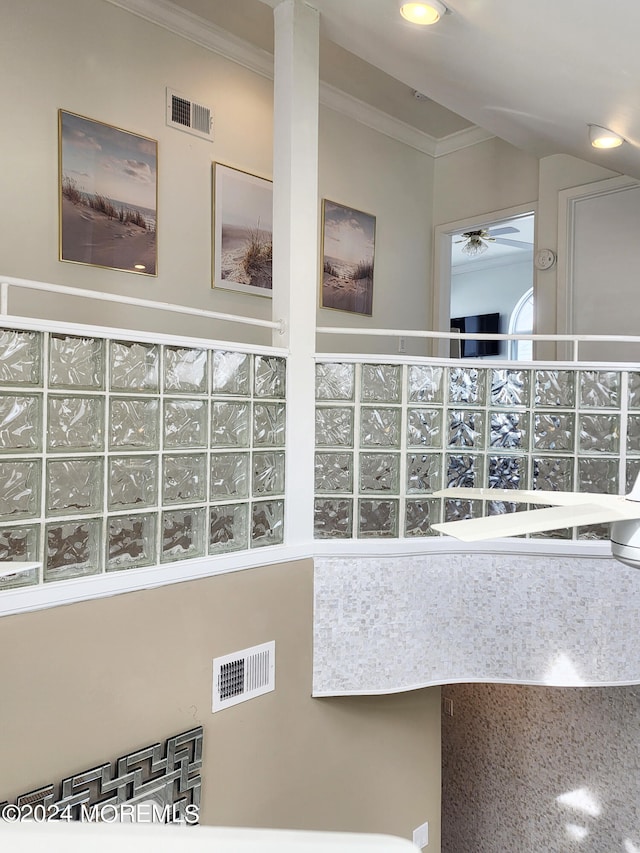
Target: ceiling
<point>533,73</point>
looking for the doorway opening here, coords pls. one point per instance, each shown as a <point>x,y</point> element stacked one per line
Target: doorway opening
<point>492,277</point>
<point>485,277</point>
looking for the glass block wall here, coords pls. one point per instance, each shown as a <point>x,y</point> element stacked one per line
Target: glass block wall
<point>117,454</point>
<point>389,435</point>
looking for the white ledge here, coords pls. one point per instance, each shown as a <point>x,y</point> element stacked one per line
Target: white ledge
<point>25,599</point>
<point>422,546</point>
<point>54,594</point>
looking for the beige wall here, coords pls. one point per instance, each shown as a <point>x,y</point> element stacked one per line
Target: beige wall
<point>372,172</point>
<point>86,683</point>
<point>93,58</point>
<point>53,59</point>
<point>492,175</point>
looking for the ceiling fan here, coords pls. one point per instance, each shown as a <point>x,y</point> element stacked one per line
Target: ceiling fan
<point>477,241</point>
<point>562,509</point>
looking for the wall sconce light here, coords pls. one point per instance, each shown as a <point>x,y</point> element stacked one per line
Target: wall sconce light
<point>428,12</point>
<point>602,137</point>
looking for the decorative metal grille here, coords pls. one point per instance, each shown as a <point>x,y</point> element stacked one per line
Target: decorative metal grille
<point>165,777</point>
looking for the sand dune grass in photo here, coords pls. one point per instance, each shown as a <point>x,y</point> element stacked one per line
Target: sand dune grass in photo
<point>348,244</point>
<point>246,256</point>
<point>242,231</point>
<point>108,196</point>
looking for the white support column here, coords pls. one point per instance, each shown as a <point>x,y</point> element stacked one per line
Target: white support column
<point>295,242</point>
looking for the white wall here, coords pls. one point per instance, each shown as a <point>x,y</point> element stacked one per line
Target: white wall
<point>557,173</point>
<point>604,255</point>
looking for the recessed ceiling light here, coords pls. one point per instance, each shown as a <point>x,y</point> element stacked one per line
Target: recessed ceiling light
<point>139,267</point>
<point>602,137</point>
<point>425,13</point>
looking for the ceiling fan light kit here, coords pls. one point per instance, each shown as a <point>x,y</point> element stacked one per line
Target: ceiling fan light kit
<point>602,137</point>
<point>476,241</point>
<point>475,244</point>
<point>425,13</point>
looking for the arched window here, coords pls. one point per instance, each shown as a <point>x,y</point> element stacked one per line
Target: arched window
<point>521,322</point>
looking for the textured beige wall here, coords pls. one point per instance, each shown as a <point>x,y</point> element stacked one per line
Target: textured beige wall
<point>88,682</point>
<point>551,769</point>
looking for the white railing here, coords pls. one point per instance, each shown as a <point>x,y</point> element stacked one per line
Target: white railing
<point>574,339</point>
<point>26,284</point>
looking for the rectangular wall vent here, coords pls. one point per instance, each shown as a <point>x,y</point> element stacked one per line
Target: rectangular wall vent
<point>243,675</point>
<point>185,114</point>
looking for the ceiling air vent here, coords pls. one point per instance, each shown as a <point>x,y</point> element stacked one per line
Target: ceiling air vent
<point>187,115</point>
<point>243,675</point>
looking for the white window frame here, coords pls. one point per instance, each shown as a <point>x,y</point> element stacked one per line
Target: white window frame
<point>515,347</point>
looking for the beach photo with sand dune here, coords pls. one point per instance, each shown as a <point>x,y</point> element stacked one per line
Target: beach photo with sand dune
<point>348,243</point>
<point>242,231</point>
<point>108,196</point>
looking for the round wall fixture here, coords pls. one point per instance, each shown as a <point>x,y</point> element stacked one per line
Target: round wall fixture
<point>544,259</point>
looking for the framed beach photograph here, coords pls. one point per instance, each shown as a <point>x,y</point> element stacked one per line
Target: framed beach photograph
<point>242,231</point>
<point>108,195</point>
<point>348,244</point>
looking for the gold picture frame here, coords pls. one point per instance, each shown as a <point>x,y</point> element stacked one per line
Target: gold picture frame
<point>348,252</point>
<point>108,196</point>
<point>242,231</point>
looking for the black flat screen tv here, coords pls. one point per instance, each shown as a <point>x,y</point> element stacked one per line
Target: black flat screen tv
<point>483,324</point>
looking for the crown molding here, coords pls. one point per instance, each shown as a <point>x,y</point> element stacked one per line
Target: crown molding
<point>376,119</point>
<point>201,32</point>
<point>206,34</point>
<point>462,139</point>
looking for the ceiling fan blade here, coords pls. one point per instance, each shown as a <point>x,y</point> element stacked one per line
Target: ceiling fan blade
<point>508,229</point>
<point>530,521</point>
<point>530,496</point>
<point>620,505</point>
<point>518,244</point>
